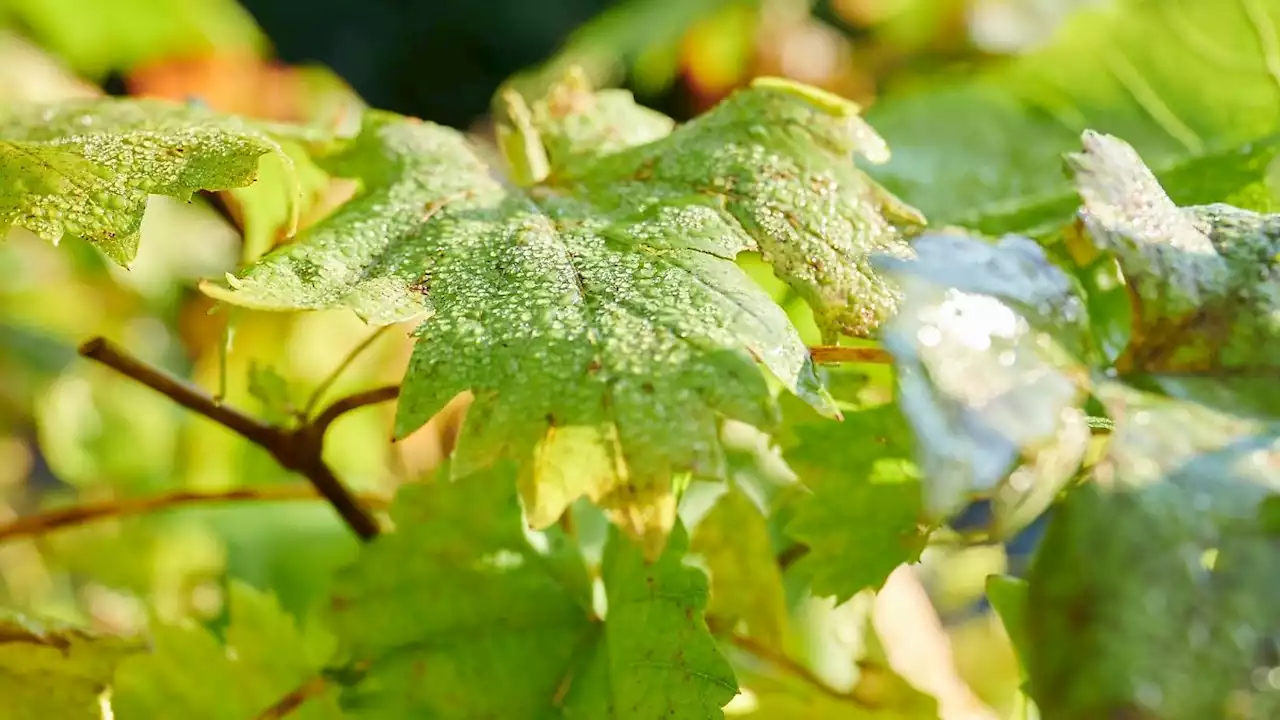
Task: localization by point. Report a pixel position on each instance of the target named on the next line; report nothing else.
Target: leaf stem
(356, 401)
(312, 687)
(314, 401)
(297, 449)
(59, 518)
(839, 354)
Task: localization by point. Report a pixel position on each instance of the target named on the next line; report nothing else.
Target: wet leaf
(461, 599)
(599, 317)
(988, 345)
(1160, 573)
(85, 168)
(1204, 281)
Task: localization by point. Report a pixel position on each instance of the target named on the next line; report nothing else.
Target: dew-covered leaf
(863, 518)
(1204, 281)
(598, 317)
(1160, 572)
(190, 673)
(85, 168)
(55, 672)
(462, 599)
(1191, 83)
(987, 345)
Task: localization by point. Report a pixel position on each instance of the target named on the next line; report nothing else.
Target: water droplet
(929, 335)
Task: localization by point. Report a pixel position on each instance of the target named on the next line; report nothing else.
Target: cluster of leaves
(594, 307)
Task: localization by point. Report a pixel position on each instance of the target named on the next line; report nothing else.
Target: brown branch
(837, 354)
(345, 405)
(191, 398)
(298, 450)
(59, 518)
(313, 687)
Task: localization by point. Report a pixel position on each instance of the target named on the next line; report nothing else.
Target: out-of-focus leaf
(462, 588)
(1204, 281)
(191, 674)
(863, 518)
(993, 164)
(1160, 573)
(96, 428)
(746, 585)
(267, 210)
(97, 37)
(1008, 596)
(615, 39)
(55, 672)
(85, 168)
(599, 318)
(277, 396)
(29, 75)
(986, 346)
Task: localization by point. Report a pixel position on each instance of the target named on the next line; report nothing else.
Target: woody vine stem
(298, 449)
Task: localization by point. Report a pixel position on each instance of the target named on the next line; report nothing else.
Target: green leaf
(85, 168)
(1008, 596)
(863, 518)
(1192, 83)
(656, 657)
(746, 584)
(55, 672)
(462, 599)
(191, 674)
(986, 347)
(599, 318)
(1203, 280)
(1159, 572)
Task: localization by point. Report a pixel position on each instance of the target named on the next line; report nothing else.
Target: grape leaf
(863, 518)
(1204, 281)
(993, 166)
(1160, 573)
(85, 168)
(54, 672)
(461, 599)
(746, 584)
(599, 317)
(986, 349)
(190, 674)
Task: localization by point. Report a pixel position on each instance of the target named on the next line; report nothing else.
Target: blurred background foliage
(72, 432)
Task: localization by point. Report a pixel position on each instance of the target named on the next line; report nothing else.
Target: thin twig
(792, 667)
(354, 402)
(189, 397)
(298, 449)
(313, 687)
(837, 354)
(316, 395)
(59, 518)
